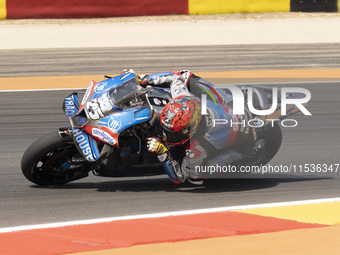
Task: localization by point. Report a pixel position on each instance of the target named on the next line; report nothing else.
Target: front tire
(48, 161)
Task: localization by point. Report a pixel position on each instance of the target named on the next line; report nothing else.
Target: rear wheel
(271, 143)
(51, 161)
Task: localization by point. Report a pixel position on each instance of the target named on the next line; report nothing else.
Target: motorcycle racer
(183, 124)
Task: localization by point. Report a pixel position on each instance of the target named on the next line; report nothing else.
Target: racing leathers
(220, 132)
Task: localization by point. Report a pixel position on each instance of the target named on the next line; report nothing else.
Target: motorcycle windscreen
(124, 92)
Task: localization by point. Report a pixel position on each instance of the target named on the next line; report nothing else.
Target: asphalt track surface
(25, 116)
(85, 61)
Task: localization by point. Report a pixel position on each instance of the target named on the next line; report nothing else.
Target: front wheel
(51, 161)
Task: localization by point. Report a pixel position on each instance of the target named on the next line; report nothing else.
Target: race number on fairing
(93, 110)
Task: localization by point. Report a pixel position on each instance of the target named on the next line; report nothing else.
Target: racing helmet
(180, 118)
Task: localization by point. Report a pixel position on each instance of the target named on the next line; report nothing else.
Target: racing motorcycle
(109, 126)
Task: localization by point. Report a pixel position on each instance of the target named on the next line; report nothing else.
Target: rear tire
(273, 140)
(47, 161)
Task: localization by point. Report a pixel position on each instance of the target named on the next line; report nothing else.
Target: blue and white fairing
(100, 118)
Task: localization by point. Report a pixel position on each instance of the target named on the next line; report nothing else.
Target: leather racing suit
(226, 142)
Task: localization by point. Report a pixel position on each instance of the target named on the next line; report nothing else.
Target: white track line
(217, 85)
(37, 90)
(166, 214)
(279, 83)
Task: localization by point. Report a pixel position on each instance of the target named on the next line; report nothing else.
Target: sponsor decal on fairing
(100, 87)
(83, 144)
(70, 108)
(104, 136)
(114, 123)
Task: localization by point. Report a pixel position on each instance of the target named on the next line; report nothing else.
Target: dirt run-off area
(173, 30)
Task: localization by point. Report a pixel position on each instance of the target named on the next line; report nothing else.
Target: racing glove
(130, 70)
(142, 79)
(157, 147)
